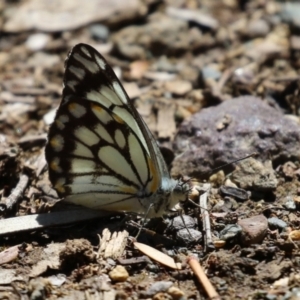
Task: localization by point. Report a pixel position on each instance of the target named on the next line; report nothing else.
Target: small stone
(99, 32)
(37, 41)
(230, 231)
(111, 262)
(237, 193)
(159, 287)
(254, 229)
(178, 87)
(255, 175)
(154, 268)
(211, 72)
(119, 274)
(290, 13)
(277, 223)
(290, 203)
(183, 221)
(219, 244)
(188, 236)
(258, 28)
(294, 235)
(175, 292)
(161, 296)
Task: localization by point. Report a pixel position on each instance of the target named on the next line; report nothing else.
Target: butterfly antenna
(254, 154)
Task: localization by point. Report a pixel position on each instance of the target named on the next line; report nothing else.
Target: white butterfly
(100, 152)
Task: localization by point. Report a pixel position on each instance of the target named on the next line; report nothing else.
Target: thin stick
(198, 271)
(40, 221)
(17, 193)
(208, 245)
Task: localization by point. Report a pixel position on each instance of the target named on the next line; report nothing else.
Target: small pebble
(111, 262)
(158, 287)
(258, 28)
(37, 41)
(188, 236)
(211, 72)
(178, 87)
(184, 221)
(118, 274)
(290, 203)
(230, 231)
(254, 229)
(237, 193)
(276, 223)
(99, 32)
(161, 296)
(219, 243)
(175, 292)
(154, 268)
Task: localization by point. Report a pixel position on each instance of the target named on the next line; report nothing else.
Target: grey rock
(290, 203)
(183, 221)
(160, 286)
(209, 72)
(99, 32)
(290, 13)
(277, 223)
(221, 134)
(237, 193)
(188, 236)
(230, 231)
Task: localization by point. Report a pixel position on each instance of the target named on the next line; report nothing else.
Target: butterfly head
(171, 193)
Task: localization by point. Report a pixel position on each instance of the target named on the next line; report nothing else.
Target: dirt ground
(215, 81)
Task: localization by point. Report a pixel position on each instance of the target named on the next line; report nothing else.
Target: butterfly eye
(100, 152)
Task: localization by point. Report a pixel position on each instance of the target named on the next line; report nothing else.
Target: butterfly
(100, 152)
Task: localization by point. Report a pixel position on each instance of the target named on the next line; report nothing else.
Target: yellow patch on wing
(77, 110)
(118, 119)
(59, 186)
(128, 190)
(57, 142)
(96, 107)
(154, 184)
(55, 165)
(101, 114)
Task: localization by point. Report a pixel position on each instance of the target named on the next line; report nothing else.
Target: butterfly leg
(144, 220)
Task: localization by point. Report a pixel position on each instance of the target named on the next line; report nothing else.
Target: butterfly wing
(100, 152)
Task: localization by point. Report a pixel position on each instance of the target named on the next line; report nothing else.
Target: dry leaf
(158, 256)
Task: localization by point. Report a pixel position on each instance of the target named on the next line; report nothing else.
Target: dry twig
(16, 194)
(40, 221)
(198, 271)
(208, 245)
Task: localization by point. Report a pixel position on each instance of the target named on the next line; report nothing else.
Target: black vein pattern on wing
(93, 81)
(106, 78)
(89, 120)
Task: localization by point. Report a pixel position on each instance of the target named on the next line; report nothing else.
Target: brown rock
(254, 127)
(254, 229)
